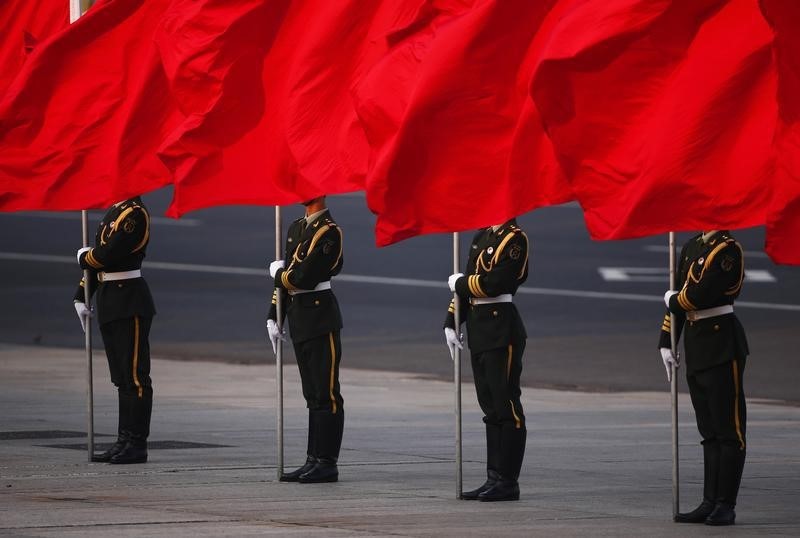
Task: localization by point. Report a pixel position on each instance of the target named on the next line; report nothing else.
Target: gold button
(716, 327)
(494, 313)
(316, 303)
(119, 285)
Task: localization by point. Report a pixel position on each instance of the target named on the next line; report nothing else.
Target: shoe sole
(320, 481)
(289, 479)
(144, 460)
(490, 500)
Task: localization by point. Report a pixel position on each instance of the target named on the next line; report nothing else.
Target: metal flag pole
(674, 385)
(457, 369)
(279, 349)
(74, 14)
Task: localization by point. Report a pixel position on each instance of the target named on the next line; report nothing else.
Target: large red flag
(25, 23)
(662, 113)
(265, 86)
(458, 142)
(80, 124)
(783, 223)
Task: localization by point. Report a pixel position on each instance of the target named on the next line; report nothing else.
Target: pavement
(597, 464)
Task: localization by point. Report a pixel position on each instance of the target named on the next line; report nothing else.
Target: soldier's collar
(706, 236)
(314, 216)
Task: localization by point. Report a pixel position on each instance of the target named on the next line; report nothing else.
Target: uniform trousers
(719, 404)
(497, 382)
(127, 348)
(318, 360)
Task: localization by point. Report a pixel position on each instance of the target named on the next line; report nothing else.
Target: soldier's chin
(308, 202)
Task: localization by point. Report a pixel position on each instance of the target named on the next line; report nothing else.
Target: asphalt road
(593, 310)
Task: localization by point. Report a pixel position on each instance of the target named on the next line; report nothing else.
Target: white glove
(275, 334)
(274, 266)
(453, 342)
(81, 251)
(451, 282)
(668, 295)
(83, 313)
(669, 360)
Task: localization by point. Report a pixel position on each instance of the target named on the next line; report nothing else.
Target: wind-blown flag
(458, 143)
(80, 125)
(662, 113)
(783, 223)
(265, 87)
(25, 23)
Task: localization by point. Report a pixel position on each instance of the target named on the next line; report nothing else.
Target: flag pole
(674, 386)
(74, 14)
(457, 369)
(279, 350)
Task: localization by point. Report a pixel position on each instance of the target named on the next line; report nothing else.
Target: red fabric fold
(79, 127)
(24, 24)
(783, 222)
(265, 86)
(458, 144)
(662, 113)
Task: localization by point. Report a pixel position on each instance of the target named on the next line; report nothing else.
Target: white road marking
(661, 274)
(390, 281)
(76, 217)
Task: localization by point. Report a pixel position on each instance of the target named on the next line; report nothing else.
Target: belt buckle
(99, 276)
(691, 315)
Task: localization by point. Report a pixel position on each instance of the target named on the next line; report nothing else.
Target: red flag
(458, 142)
(265, 86)
(783, 223)
(79, 126)
(662, 113)
(24, 24)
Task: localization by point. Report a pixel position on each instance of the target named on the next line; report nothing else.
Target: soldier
(710, 273)
(314, 251)
(497, 266)
(125, 311)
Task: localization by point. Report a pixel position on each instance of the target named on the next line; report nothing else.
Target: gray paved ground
(596, 465)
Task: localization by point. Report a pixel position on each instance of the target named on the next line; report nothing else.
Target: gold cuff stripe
(91, 260)
(333, 370)
(478, 287)
(285, 280)
(736, 405)
(136, 355)
(469, 285)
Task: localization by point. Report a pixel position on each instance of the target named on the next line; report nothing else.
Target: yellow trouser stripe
(136, 355)
(736, 405)
(333, 370)
(517, 421)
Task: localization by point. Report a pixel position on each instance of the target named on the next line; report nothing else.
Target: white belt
(505, 298)
(694, 315)
(319, 287)
(121, 275)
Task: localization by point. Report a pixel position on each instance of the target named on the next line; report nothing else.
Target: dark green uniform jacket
(120, 245)
(313, 255)
(709, 274)
(497, 264)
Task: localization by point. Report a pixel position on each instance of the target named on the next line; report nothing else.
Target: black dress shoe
(320, 472)
(722, 515)
(105, 457)
(502, 490)
(131, 453)
(294, 476)
(491, 480)
(698, 515)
